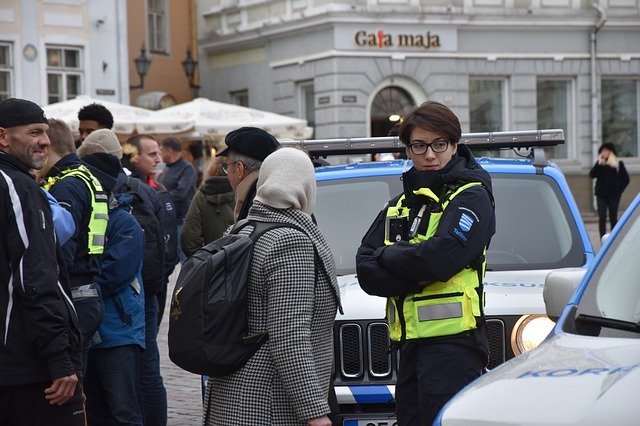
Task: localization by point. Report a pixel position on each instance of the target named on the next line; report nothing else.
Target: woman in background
(611, 180)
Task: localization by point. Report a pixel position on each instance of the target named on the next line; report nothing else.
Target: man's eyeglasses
(225, 166)
(438, 146)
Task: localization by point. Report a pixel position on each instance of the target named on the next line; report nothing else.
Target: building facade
(48, 50)
(349, 67)
(55, 50)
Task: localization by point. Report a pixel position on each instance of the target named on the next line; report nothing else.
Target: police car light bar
(475, 141)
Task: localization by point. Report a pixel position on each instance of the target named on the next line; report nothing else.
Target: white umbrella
(125, 117)
(212, 119)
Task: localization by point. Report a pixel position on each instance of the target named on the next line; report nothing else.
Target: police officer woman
(425, 253)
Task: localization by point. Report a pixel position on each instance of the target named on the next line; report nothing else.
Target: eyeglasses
(225, 166)
(437, 146)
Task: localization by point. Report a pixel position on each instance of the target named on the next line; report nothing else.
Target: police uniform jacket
(403, 268)
(73, 194)
(39, 337)
(293, 295)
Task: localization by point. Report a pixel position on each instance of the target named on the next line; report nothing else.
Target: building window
(620, 115)
(307, 104)
(554, 108)
(486, 105)
(388, 108)
(157, 25)
(240, 97)
(64, 73)
(5, 71)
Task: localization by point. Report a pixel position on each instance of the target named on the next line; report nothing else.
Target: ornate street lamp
(189, 65)
(142, 67)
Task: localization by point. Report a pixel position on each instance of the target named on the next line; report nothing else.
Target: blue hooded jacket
(120, 279)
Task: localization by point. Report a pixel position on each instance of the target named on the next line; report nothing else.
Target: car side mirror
(559, 286)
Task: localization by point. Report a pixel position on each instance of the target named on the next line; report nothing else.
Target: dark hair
(172, 143)
(59, 133)
(136, 140)
(96, 112)
(432, 116)
(608, 145)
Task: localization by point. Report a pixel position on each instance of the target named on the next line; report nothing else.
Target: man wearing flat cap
(247, 147)
(40, 352)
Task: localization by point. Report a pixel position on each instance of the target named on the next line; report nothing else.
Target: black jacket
(40, 341)
(180, 180)
(610, 182)
(396, 270)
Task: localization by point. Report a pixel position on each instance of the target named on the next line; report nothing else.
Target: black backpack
(153, 276)
(208, 314)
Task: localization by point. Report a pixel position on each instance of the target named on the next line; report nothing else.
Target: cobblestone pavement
(183, 389)
(184, 395)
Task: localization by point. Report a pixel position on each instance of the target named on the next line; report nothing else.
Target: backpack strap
(134, 184)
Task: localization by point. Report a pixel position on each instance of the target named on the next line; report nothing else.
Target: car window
(613, 291)
(534, 226)
(535, 229)
(346, 208)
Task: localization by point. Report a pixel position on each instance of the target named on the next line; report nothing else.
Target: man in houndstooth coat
(293, 295)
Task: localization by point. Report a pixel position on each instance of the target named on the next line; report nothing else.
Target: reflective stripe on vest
(442, 308)
(99, 206)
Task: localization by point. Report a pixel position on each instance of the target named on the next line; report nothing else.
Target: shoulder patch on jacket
(464, 224)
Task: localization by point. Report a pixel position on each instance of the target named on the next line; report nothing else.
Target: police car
(539, 229)
(587, 372)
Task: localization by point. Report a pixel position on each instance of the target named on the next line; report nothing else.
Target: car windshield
(535, 229)
(613, 292)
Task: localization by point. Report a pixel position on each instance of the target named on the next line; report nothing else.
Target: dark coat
(40, 337)
(180, 180)
(210, 214)
(610, 182)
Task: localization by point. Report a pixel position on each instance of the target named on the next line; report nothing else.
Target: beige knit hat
(101, 140)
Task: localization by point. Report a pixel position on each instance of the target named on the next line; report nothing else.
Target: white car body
(587, 372)
(579, 380)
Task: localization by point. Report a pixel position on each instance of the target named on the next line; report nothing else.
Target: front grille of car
(495, 329)
(364, 348)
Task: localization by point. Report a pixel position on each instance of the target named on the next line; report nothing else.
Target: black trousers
(611, 204)
(429, 375)
(25, 405)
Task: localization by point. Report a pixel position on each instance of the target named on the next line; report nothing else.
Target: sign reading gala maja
(380, 39)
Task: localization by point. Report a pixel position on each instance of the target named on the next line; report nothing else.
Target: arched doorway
(390, 102)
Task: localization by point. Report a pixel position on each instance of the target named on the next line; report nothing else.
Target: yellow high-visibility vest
(441, 308)
(99, 205)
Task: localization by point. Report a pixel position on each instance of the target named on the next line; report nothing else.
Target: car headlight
(529, 332)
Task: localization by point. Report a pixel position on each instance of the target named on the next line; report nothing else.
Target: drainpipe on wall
(602, 18)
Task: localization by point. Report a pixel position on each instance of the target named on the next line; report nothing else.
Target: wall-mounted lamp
(394, 117)
(190, 65)
(142, 67)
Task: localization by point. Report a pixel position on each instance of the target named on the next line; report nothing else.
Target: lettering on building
(380, 39)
